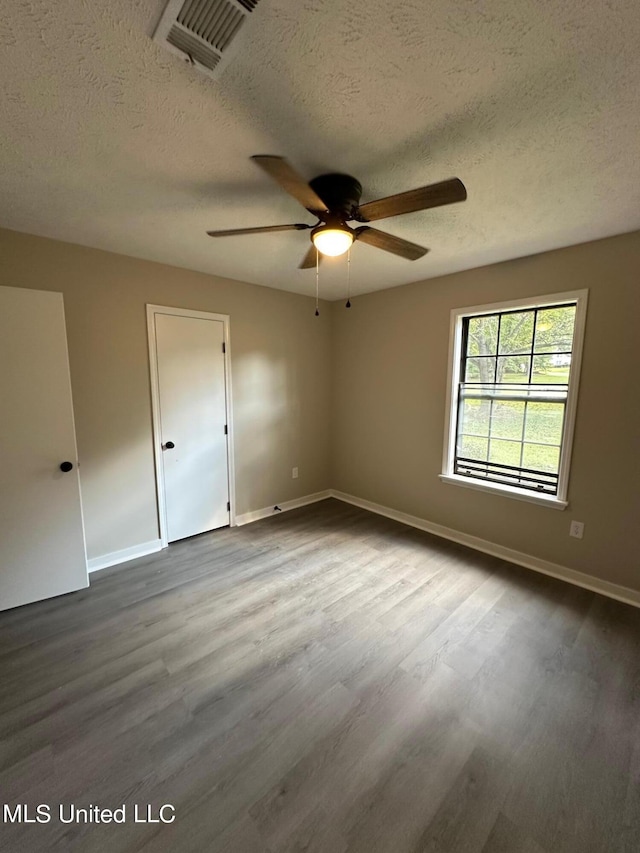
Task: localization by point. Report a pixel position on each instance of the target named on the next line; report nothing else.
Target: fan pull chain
(317, 280)
(348, 305)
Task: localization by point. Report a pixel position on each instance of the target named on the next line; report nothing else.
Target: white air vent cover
(203, 31)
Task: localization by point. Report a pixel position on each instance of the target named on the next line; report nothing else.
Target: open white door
(42, 548)
(191, 423)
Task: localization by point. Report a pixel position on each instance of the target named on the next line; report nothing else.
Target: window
(514, 376)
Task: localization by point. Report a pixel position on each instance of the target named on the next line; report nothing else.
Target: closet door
(192, 401)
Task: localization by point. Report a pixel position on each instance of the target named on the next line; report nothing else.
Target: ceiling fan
(335, 200)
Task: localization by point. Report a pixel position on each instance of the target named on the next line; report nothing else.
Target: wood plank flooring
(325, 680)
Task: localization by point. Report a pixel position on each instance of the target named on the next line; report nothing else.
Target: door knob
(169, 445)
(66, 466)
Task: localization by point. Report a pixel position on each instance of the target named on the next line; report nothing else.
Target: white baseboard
(611, 590)
(257, 514)
(97, 563)
(116, 557)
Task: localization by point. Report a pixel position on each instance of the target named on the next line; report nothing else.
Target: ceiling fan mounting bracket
(341, 194)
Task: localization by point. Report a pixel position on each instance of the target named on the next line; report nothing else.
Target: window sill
(505, 491)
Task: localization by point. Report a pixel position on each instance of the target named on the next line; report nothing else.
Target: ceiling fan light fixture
(332, 240)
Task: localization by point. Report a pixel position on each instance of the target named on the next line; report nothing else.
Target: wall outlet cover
(576, 529)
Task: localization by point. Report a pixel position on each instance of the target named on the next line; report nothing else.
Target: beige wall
(280, 374)
(389, 385)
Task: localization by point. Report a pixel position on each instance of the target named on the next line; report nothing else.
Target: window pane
(541, 458)
(516, 332)
(551, 369)
(554, 329)
(480, 370)
(511, 400)
(507, 420)
(513, 368)
(482, 335)
(471, 447)
(544, 422)
(475, 417)
(505, 452)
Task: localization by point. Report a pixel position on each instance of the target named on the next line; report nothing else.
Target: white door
(42, 549)
(193, 423)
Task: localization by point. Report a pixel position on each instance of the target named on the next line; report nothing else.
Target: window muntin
(512, 396)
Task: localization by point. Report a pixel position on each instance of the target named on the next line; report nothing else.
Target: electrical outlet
(576, 529)
(294, 473)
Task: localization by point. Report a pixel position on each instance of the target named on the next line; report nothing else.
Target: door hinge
(228, 506)
(226, 431)
(224, 347)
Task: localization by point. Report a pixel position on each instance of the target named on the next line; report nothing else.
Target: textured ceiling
(109, 141)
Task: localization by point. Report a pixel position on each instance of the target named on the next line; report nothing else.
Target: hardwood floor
(325, 680)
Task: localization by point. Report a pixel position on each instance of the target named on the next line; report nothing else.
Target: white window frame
(558, 501)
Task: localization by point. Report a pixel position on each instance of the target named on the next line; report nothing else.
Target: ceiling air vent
(203, 32)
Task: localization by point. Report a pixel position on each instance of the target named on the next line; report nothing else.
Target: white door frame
(152, 310)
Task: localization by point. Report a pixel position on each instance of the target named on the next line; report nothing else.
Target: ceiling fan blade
(284, 174)
(265, 229)
(423, 198)
(309, 260)
(396, 245)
